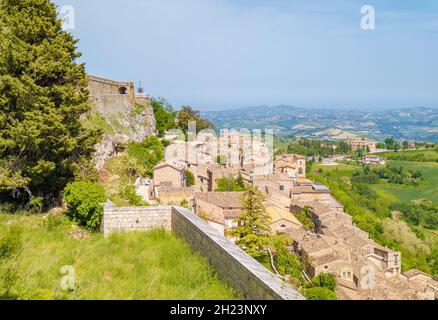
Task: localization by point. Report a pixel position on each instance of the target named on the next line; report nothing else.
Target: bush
(190, 178)
(128, 193)
(147, 153)
(324, 280)
(84, 200)
(287, 263)
(320, 293)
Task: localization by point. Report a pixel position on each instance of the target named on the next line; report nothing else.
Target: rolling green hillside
(427, 190)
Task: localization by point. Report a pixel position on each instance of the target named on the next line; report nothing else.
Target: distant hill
(418, 124)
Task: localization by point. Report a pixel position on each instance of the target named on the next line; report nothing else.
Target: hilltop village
(190, 174)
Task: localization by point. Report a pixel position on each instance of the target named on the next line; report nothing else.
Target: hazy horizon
(223, 54)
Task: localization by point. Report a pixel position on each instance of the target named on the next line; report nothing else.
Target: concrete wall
(248, 277)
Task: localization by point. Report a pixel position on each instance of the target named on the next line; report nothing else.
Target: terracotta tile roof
(221, 199)
(276, 213)
(175, 165)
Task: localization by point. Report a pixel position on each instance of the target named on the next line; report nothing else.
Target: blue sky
(218, 54)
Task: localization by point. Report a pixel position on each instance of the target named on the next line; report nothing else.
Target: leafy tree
(240, 183)
(221, 159)
(84, 203)
(188, 114)
(305, 217)
(253, 230)
(360, 153)
(190, 178)
(286, 262)
(43, 93)
(320, 293)
(131, 198)
(147, 153)
(389, 143)
(324, 280)
(230, 184)
(164, 115)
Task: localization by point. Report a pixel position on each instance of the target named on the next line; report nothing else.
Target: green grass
(426, 155)
(96, 121)
(143, 266)
(339, 171)
(427, 190)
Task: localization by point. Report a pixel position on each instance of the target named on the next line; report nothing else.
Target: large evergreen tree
(43, 92)
(253, 230)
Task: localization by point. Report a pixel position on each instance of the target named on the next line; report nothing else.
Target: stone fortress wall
(247, 276)
(110, 96)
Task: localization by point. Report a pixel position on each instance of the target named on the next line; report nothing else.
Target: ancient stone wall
(135, 219)
(247, 276)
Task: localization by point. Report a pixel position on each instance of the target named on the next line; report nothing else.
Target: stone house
(292, 165)
(373, 160)
(281, 218)
(219, 209)
(169, 175)
(362, 144)
(279, 183)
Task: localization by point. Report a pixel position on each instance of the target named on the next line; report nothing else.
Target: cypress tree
(253, 230)
(43, 93)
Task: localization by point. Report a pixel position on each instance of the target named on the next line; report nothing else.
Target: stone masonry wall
(247, 276)
(135, 219)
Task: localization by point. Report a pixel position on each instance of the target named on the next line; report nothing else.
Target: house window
(281, 188)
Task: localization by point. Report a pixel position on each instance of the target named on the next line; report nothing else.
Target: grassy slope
(153, 265)
(427, 190)
(429, 154)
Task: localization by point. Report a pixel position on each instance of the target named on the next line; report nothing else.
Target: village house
(219, 209)
(310, 191)
(281, 218)
(169, 175)
(363, 144)
(168, 178)
(292, 165)
(373, 160)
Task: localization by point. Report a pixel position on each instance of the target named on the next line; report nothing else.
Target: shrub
(324, 280)
(320, 293)
(35, 205)
(286, 262)
(128, 193)
(147, 153)
(84, 200)
(190, 178)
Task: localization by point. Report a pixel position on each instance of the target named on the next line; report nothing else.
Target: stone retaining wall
(247, 276)
(135, 219)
